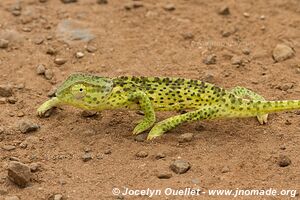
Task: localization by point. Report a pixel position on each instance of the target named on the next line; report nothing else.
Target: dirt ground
(195, 39)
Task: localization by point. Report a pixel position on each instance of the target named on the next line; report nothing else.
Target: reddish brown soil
(150, 41)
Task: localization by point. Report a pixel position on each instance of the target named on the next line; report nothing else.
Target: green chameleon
(150, 94)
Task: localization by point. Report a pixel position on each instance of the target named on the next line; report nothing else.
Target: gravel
(40, 69)
(6, 91)
(282, 52)
(60, 61)
(26, 126)
(180, 166)
(186, 137)
(87, 157)
(283, 161)
(141, 154)
(19, 173)
(164, 175)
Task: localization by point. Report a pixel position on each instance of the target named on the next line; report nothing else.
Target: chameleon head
(85, 91)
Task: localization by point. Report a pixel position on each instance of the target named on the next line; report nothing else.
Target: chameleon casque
(150, 94)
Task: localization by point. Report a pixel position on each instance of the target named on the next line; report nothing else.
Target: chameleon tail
(254, 108)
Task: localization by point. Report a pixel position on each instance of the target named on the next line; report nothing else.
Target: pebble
(52, 92)
(40, 69)
(38, 41)
(91, 48)
(56, 197)
(224, 10)
(34, 167)
(107, 151)
(89, 113)
(19, 173)
(8, 147)
(210, 59)
(12, 100)
(68, 1)
(16, 12)
(180, 166)
(160, 155)
(86, 157)
(246, 14)
(60, 61)
(27, 126)
(164, 175)
(225, 169)
(135, 4)
(169, 7)
(282, 52)
(141, 154)
(285, 86)
(6, 91)
(12, 198)
(4, 43)
(262, 17)
(237, 60)
(246, 51)
(49, 74)
(228, 31)
(27, 29)
(2, 100)
(102, 1)
(283, 161)
(188, 35)
(79, 54)
(186, 137)
(141, 137)
(51, 51)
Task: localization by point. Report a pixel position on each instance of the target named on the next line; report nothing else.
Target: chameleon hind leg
(146, 106)
(48, 105)
(167, 124)
(245, 93)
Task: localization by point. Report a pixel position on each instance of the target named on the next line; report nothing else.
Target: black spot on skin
(95, 99)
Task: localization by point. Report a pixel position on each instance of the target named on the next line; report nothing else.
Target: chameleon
(202, 100)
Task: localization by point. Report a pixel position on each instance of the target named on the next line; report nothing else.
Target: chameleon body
(150, 94)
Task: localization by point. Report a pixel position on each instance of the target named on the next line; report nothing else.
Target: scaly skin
(152, 94)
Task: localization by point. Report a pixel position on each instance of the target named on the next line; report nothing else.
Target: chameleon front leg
(147, 107)
(167, 124)
(48, 105)
(242, 92)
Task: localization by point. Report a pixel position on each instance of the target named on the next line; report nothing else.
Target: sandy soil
(149, 38)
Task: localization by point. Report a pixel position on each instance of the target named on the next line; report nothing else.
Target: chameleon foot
(156, 131)
(142, 126)
(263, 119)
(47, 106)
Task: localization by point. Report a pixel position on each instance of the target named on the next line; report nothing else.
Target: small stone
(20, 114)
(282, 147)
(180, 166)
(246, 14)
(4, 43)
(51, 51)
(8, 147)
(91, 49)
(34, 167)
(210, 59)
(27, 29)
(89, 113)
(282, 52)
(87, 149)
(225, 169)
(14, 159)
(283, 161)
(141, 137)
(169, 7)
(224, 10)
(246, 51)
(3, 191)
(107, 151)
(141, 154)
(16, 12)
(27, 126)
(285, 86)
(188, 36)
(287, 122)
(40, 69)
(160, 155)
(19, 173)
(79, 55)
(262, 17)
(164, 175)
(38, 41)
(12, 100)
(49, 74)
(68, 1)
(52, 92)
(56, 197)
(6, 91)
(12, 198)
(237, 60)
(186, 137)
(102, 1)
(135, 4)
(86, 157)
(2, 100)
(60, 61)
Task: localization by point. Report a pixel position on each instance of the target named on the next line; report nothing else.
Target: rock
(284, 161)
(89, 113)
(224, 10)
(49, 74)
(246, 51)
(27, 29)
(8, 147)
(79, 55)
(169, 7)
(19, 173)
(180, 166)
(91, 48)
(186, 137)
(188, 35)
(135, 4)
(34, 167)
(164, 175)
(56, 197)
(2, 100)
(12, 198)
(3, 191)
(12, 100)
(40, 69)
(3, 43)
(246, 14)
(102, 1)
(228, 31)
(68, 1)
(285, 86)
(225, 169)
(141, 137)
(51, 51)
(141, 154)
(52, 92)
(6, 91)
(210, 59)
(237, 60)
(282, 52)
(28, 126)
(160, 155)
(60, 61)
(38, 41)
(86, 157)
(16, 12)
(107, 151)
